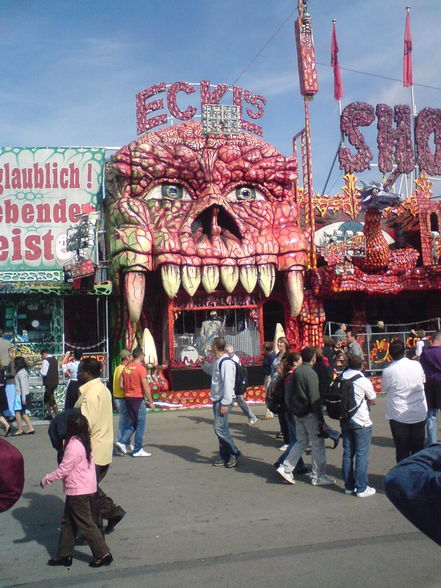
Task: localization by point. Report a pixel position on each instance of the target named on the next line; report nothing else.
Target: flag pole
(408, 73)
(338, 84)
(338, 93)
(334, 62)
(407, 62)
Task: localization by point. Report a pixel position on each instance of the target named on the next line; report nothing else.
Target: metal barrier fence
(375, 345)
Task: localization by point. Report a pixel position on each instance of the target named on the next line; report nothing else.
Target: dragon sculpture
(375, 197)
(203, 211)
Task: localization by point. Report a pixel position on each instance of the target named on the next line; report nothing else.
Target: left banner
(43, 192)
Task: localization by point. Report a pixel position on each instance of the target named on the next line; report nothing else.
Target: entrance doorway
(273, 313)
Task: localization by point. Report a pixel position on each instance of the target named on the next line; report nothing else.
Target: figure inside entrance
(213, 327)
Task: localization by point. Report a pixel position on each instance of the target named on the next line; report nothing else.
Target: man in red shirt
(136, 396)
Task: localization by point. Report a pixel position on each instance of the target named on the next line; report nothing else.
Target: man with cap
(118, 394)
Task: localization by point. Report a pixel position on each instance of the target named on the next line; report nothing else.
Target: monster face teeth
(134, 286)
(267, 277)
(210, 277)
(171, 278)
(191, 278)
(294, 290)
(229, 277)
(248, 277)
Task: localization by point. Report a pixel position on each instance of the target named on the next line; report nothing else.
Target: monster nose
(207, 222)
(215, 228)
(211, 195)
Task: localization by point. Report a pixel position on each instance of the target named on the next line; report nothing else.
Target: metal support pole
(312, 253)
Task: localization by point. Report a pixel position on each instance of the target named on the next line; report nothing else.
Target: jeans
(432, 426)
(124, 420)
(414, 487)
(292, 441)
(408, 438)
(137, 423)
(356, 447)
(10, 396)
(227, 447)
(307, 430)
(287, 427)
(245, 408)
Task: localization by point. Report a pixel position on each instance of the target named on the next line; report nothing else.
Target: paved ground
(189, 524)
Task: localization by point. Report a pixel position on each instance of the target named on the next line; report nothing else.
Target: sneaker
(219, 463)
(231, 463)
(349, 492)
(121, 447)
(322, 481)
(284, 447)
(366, 493)
(252, 421)
(141, 453)
(285, 475)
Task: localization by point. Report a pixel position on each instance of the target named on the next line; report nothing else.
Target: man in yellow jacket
(95, 403)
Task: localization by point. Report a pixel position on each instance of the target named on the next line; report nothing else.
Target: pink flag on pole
(407, 60)
(338, 84)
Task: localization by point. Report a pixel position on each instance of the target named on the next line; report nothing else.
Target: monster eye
(168, 191)
(172, 191)
(246, 193)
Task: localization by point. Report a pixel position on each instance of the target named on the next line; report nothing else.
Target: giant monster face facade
(210, 212)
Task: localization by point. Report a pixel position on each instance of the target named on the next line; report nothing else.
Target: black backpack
(276, 397)
(339, 398)
(240, 377)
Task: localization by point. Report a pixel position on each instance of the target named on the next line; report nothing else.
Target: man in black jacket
(303, 399)
(49, 372)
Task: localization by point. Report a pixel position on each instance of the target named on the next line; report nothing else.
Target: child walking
(77, 470)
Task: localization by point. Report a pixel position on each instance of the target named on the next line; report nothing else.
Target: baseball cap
(124, 353)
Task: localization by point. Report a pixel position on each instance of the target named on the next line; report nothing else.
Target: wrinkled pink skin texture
(145, 233)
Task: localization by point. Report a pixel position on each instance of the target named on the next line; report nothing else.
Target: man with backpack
(357, 430)
(240, 386)
(223, 373)
(303, 399)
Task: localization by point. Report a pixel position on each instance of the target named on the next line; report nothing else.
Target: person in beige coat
(95, 403)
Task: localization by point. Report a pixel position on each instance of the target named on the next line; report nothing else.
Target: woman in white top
(22, 396)
(283, 349)
(406, 406)
(70, 368)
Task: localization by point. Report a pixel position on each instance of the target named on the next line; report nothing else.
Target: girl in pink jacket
(77, 471)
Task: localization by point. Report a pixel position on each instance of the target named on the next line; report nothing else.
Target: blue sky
(70, 70)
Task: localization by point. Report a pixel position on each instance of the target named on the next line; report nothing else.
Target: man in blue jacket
(414, 487)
